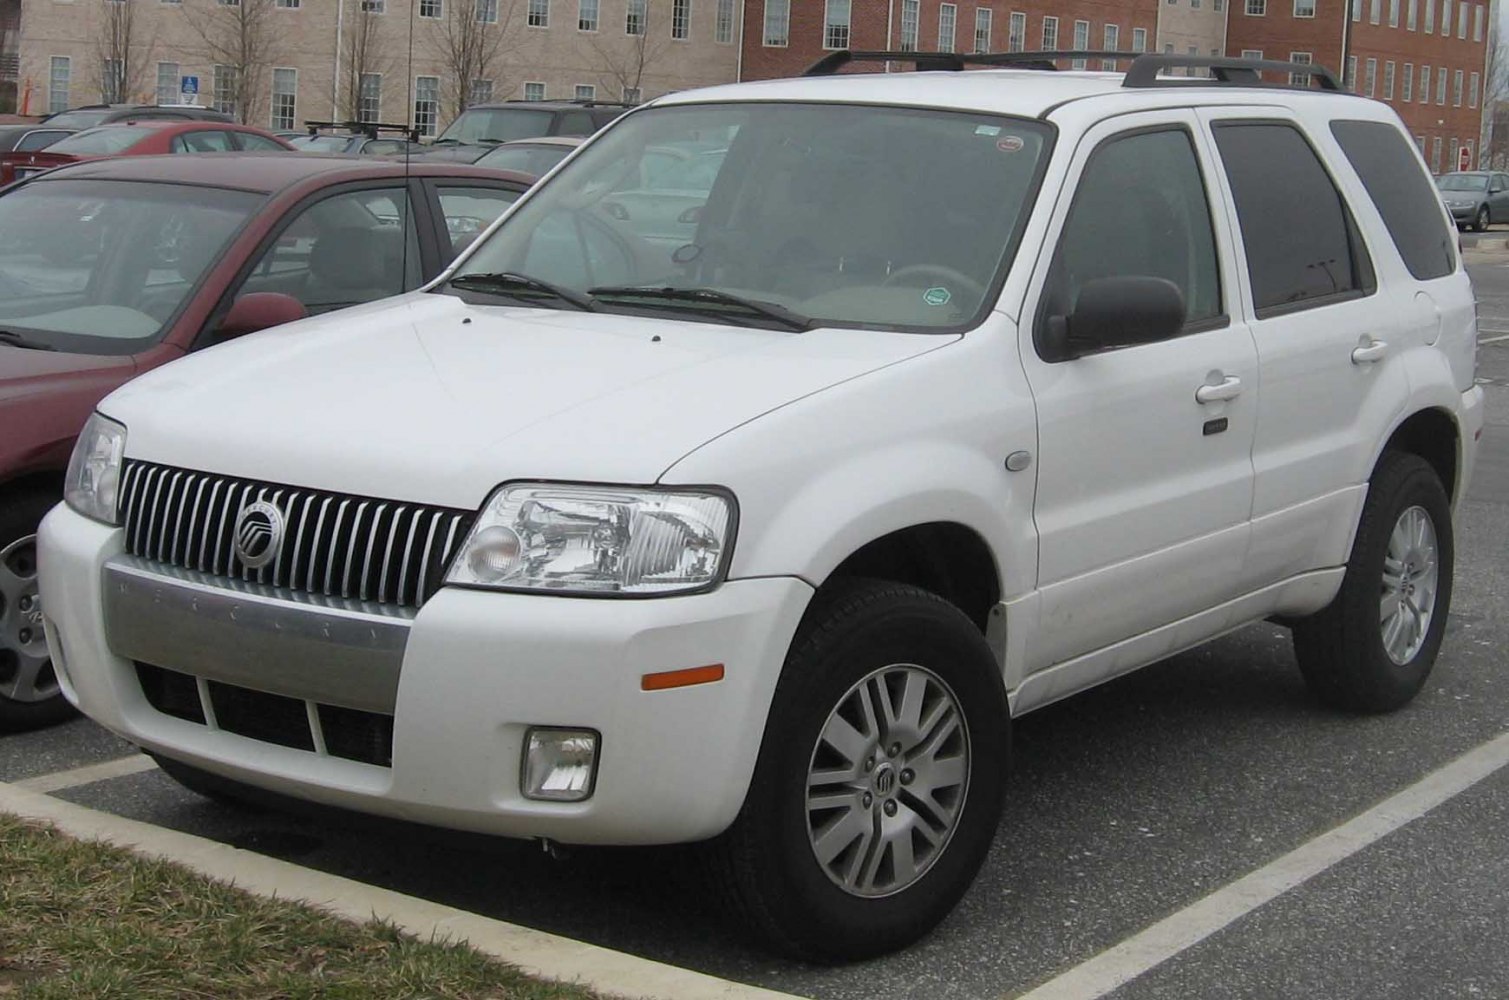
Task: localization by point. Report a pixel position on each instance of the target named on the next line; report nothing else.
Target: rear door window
(1404, 196)
(1303, 249)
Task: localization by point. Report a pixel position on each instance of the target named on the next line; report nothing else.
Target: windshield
(1462, 182)
(528, 159)
(100, 267)
(79, 119)
(497, 125)
(850, 215)
(101, 141)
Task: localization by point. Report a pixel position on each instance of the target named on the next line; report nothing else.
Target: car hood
(45, 397)
(432, 400)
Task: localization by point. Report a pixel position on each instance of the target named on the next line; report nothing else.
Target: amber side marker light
(681, 678)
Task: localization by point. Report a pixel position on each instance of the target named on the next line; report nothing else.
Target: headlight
(94, 471)
(603, 540)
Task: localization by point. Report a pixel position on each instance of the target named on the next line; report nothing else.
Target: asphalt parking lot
(1128, 804)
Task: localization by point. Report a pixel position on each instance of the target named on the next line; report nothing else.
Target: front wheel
(1372, 648)
(880, 779)
(1480, 224)
(29, 692)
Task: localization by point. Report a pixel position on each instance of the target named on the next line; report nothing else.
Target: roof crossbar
(1144, 72)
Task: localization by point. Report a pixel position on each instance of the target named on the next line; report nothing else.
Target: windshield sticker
(1010, 144)
(987, 130)
(937, 296)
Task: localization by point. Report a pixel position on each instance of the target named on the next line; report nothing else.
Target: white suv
(754, 512)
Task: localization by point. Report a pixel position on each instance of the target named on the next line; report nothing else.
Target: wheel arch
(1431, 433)
(946, 558)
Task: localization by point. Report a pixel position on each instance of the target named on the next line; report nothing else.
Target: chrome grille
(350, 547)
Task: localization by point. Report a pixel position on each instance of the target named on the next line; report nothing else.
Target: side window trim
(1222, 317)
(1363, 265)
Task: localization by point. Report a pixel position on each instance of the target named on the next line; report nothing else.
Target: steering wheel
(947, 275)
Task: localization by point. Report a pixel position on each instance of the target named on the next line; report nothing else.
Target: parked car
(530, 156)
(1475, 198)
(140, 138)
(132, 262)
(967, 392)
(91, 115)
(357, 139)
(485, 125)
(25, 138)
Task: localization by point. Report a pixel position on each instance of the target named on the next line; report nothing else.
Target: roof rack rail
(368, 129)
(834, 61)
(1227, 72)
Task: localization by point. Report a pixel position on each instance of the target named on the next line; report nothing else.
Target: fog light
(560, 765)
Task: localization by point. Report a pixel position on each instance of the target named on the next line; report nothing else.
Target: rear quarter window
(1404, 196)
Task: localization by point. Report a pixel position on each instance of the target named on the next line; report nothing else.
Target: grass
(85, 921)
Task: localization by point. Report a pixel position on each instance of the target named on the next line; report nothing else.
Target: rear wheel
(1373, 647)
(880, 779)
(1481, 222)
(29, 693)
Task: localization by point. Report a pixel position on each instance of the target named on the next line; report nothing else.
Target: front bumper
(1463, 213)
(464, 679)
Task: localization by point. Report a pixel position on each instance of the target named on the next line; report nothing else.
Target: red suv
(126, 264)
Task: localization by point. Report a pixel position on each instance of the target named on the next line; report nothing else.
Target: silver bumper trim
(332, 652)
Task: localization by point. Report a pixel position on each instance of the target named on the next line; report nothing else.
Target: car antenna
(408, 150)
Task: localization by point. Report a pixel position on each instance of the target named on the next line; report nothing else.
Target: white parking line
(89, 774)
(1198, 921)
(611, 973)
(1493, 340)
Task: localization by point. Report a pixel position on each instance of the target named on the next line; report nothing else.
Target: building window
(1304, 59)
(777, 21)
(285, 98)
(1393, 13)
(1467, 145)
(1112, 43)
(1219, 5)
(1370, 77)
(1081, 41)
(636, 14)
(1016, 32)
(110, 81)
(1139, 39)
(429, 8)
(1477, 24)
(1252, 53)
(1407, 83)
(1472, 91)
(539, 13)
(836, 24)
(1441, 85)
(374, 6)
(59, 75)
(1357, 10)
(1462, 13)
(948, 22)
(285, 4)
(681, 18)
(1430, 17)
(983, 18)
(1304, 8)
(481, 93)
(1424, 84)
(1257, 8)
(1194, 4)
(225, 89)
(631, 95)
(167, 83)
(1412, 15)
(1456, 89)
(586, 92)
(534, 91)
(910, 15)
(369, 100)
(586, 15)
(1388, 80)
(1375, 11)
(426, 104)
(487, 11)
(723, 24)
(1445, 18)
(1050, 34)
(1350, 80)
(1435, 155)
(1455, 161)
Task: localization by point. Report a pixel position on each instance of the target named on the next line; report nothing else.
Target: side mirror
(1120, 311)
(258, 311)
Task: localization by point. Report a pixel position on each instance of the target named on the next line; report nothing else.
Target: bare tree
(239, 39)
(1495, 141)
(469, 38)
(364, 53)
(626, 57)
(116, 48)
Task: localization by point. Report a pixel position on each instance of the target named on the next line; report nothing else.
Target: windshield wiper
(707, 297)
(520, 285)
(16, 340)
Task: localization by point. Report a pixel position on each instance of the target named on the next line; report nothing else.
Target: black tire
(20, 513)
(1341, 650)
(771, 877)
(1481, 223)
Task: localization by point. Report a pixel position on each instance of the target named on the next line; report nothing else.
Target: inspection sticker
(937, 296)
(1010, 144)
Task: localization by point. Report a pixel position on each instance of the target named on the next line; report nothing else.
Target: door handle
(1229, 387)
(1366, 354)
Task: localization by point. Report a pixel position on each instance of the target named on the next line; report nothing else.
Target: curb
(548, 956)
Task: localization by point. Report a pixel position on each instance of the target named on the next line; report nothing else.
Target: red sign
(1464, 159)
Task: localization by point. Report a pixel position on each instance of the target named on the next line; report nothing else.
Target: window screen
(1403, 194)
(1302, 246)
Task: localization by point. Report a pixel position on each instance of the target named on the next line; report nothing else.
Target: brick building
(323, 59)
(1426, 58)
